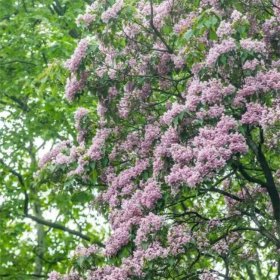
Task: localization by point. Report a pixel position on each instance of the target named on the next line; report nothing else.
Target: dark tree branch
(158, 34)
(39, 220)
(23, 106)
(57, 226)
(270, 184)
(247, 176)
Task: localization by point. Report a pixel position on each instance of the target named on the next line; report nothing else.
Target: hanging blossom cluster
(74, 62)
(88, 17)
(113, 11)
(80, 115)
(74, 85)
(209, 150)
(174, 123)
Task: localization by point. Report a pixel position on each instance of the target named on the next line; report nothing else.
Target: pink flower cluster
(254, 114)
(54, 276)
(79, 116)
(236, 16)
(271, 28)
(253, 45)
(162, 150)
(207, 152)
(152, 133)
(112, 12)
(178, 237)
(57, 276)
(184, 23)
(117, 240)
(208, 275)
(73, 86)
(211, 92)
(79, 54)
(131, 266)
(225, 29)
(161, 11)
(95, 151)
(58, 149)
(225, 46)
(251, 64)
(86, 252)
(149, 224)
(176, 109)
(262, 83)
(88, 17)
(178, 60)
(221, 247)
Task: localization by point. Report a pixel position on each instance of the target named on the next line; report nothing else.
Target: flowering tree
(184, 155)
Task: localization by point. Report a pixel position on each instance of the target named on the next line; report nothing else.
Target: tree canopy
(176, 141)
(39, 222)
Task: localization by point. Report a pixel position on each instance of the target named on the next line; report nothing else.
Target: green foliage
(36, 38)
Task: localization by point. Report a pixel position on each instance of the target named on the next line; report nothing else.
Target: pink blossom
(73, 86)
(112, 92)
(177, 238)
(251, 64)
(83, 251)
(101, 110)
(112, 12)
(54, 276)
(207, 275)
(181, 154)
(169, 116)
(79, 116)
(224, 29)
(73, 63)
(152, 133)
(221, 247)
(275, 63)
(161, 11)
(96, 149)
(210, 150)
(184, 23)
(149, 224)
(131, 30)
(58, 149)
(225, 46)
(87, 19)
(155, 250)
(261, 83)
(253, 114)
(151, 194)
(119, 238)
(253, 45)
(178, 60)
(236, 16)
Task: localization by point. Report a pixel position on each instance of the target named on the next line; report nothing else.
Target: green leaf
(189, 34)
(81, 197)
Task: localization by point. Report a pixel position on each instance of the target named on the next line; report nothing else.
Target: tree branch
(39, 220)
(247, 176)
(158, 34)
(57, 226)
(270, 184)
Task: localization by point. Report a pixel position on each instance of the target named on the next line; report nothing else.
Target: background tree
(39, 222)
